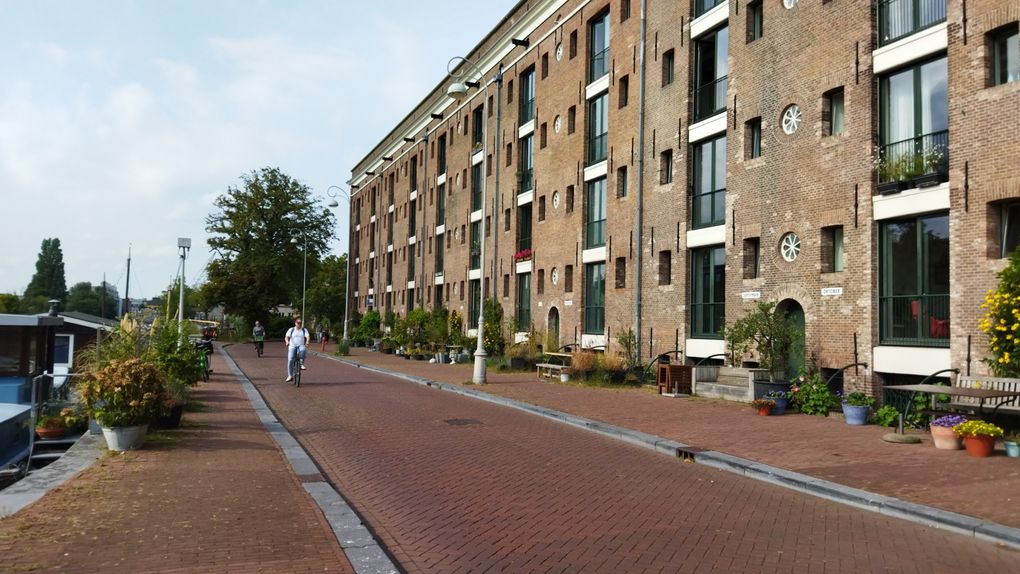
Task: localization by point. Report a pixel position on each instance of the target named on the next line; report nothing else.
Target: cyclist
(259, 335)
(296, 339)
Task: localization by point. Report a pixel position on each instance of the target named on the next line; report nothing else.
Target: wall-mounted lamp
(437, 116)
(524, 43)
(409, 140)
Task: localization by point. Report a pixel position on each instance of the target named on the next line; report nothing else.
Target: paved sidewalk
(216, 495)
(824, 448)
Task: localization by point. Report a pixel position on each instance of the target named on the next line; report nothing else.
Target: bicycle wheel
(295, 370)
(205, 368)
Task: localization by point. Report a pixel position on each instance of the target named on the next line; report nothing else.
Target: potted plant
(893, 171)
(763, 406)
(772, 334)
(1012, 442)
(564, 375)
(942, 434)
(780, 398)
(124, 397)
(811, 395)
(978, 437)
(50, 427)
(928, 164)
(856, 407)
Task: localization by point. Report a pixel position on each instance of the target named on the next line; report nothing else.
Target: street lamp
(304, 272)
(347, 278)
(457, 90)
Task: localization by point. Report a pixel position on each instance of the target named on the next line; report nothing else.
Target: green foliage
(10, 303)
(325, 297)
(812, 396)
(85, 297)
(977, 428)
(628, 343)
(437, 328)
(259, 267)
(368, 327)
(772, 334)
(49, 281)
(492, 328)
(859, 400)
(887, 416)
(390, 319)
(125, 392)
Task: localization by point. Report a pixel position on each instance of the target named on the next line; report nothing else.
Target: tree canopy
(260, 231)
(325, 297)
(49, 281)
(85, 297)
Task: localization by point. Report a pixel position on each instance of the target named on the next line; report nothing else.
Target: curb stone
(363, 551)
(910, 511)
(87, 450)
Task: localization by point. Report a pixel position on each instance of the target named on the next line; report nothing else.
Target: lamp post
(457, 90)
(184, 244)
(347, 278)
(304, 272)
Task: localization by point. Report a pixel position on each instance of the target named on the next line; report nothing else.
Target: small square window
(624, 89)
(573, 44)
(752, 138)
(510, 91)
(752, 258)
(506, 285)
(509, 154)
(543, 136)
(506, 219)
(621, 272)
(541, 281)
(1004, 49)
(665, 267)
(833, 112)
(667, 67)
(666, 167)
(832, 249)
(621, 181)
(755, 20)
(545, 65)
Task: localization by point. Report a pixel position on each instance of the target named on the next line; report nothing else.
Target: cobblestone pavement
(453, 484)
(215, 496)
(827, 448)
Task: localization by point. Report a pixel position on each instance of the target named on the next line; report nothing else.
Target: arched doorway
(793, 310)
(553, 329)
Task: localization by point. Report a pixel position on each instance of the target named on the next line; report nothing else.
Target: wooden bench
(1004, 405)
(549, 370)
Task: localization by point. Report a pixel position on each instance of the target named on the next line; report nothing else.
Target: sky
(122, 121)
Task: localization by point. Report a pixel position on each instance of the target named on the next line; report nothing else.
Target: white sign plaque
(831, 291)
(750, 295)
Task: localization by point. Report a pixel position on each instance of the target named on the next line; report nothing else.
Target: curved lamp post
(459, 89)
(333, 192)
(304, 272)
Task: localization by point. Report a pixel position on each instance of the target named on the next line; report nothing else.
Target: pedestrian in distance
(296, 340)
(258, 334)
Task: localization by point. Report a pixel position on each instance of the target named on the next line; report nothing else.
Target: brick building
(660, 166)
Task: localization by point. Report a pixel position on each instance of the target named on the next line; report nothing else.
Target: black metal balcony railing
(526, 180)
(702, 6)
(595, 234)
(707, 319)
(599, 65)
(598, 148)
(527, 110)
(710, 99)
(914, 320)
(910, 158)
(901, 18)
(708, 209)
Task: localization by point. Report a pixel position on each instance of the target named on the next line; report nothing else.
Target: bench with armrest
(978, 405)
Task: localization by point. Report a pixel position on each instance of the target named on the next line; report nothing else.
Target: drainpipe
(640, 181)
(424, 217)
(495, 169)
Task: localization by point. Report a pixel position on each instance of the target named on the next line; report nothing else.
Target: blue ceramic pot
(855, 415)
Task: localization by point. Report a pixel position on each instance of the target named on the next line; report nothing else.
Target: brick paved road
(217, 497)
(452, 484)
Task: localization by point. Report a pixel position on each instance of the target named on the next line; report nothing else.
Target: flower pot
(765, 411)
(48, 434)
(171, 420)
(781, 404)
(980, 446)
(564, 377)
(926, 180)
(945, 439)
(1012, 449)
(763, 386)
(119, 439)
(855, 415)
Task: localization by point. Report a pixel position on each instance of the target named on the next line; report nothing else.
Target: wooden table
(564, 358)
(981, 394)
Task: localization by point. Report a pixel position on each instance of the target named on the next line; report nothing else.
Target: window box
(929, 179)
(891, 187)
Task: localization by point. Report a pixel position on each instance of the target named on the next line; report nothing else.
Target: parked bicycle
(206, 348)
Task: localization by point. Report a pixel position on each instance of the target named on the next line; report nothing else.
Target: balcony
(599, 65)
(595, 234)
(922, 159)
(703, 6)
(901, 18)
(708, 209)
(914, 320)
(527, 110)
(710, 99)
(598, 148)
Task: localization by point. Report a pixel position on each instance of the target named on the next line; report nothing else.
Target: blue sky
(121, 121)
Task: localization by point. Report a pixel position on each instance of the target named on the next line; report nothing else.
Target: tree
(48, 281)
(84, 297)
(326, 291)
(766, 330)
(259, 267)
(10, 303)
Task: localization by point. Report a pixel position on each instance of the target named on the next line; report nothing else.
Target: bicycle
(295, 367)
(259, 341)
(205, 348)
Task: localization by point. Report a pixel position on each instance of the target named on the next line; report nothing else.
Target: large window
(524, 227)
(1005, 55)
(441, 155)
(526, 177)
(708, 292)
(477, 128)
(900, 18)
(702, 6)
(439, 254)
(755, 20)
(413, 179)
(914, 281)
(476, 187)
(527, 104)
(523, 314)
(914, 122)
(441, 204)
(709, 200)
(710, 70)
(1009, 227)
(595, 214)
(598, 128)
(474, 302)
(412, 218)
(598, 47)
(476, 245)
(595, 298)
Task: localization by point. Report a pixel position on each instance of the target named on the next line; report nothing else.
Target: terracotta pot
(945, 439)
(979, 446)
(764, 411)
(50, 433)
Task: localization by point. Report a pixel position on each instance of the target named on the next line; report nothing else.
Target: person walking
(296, 339)
(258, 334)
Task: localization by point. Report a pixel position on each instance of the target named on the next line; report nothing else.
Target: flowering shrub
(123, 393)
(812, 396)
(758, 404)
(858, 400)
(522, 255)
(948, 421)
(1002, 321)
(977, 428)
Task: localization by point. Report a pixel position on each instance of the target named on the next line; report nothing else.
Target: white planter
(564, 378)
(120, 439)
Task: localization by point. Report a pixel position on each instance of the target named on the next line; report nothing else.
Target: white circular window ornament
(559, 51)
(556, 200)
(554, 276)
(791, 119)
(557, 124)
(789, 247)
(789, 3)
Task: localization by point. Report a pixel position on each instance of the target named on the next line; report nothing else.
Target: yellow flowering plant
(1002, 321)
(126, 392)
(977, 428)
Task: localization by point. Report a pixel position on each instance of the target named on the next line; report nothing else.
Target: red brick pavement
(825, 448)
(214, 496)
(453, 484)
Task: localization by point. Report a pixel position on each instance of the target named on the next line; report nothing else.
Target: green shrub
(887, 416)
(812, 396)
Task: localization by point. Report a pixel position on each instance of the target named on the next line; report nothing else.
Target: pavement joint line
(923, 515)
(357, 542)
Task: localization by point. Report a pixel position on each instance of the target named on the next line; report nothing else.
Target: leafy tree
(325, 295)
(10, 303)
(259, 267)
(85, 297)
(49, 281)
(193, 300)
(770, 332)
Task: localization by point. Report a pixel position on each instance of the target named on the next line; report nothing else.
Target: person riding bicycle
(296, 339)
(259, 335)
